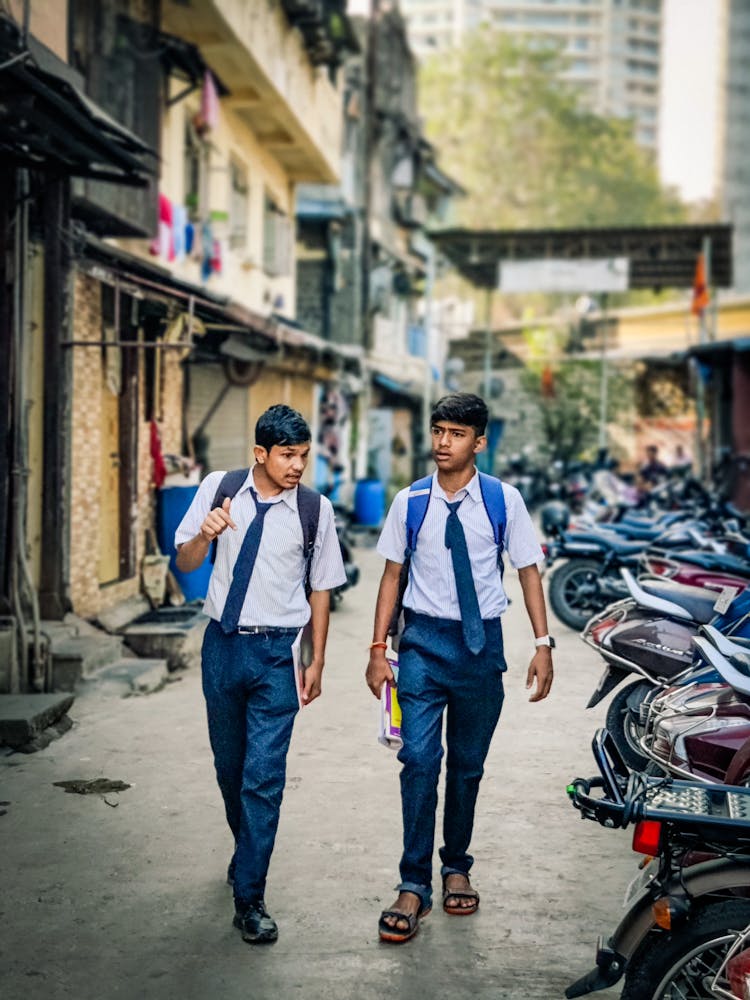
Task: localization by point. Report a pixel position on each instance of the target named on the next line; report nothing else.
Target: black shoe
(257, 926)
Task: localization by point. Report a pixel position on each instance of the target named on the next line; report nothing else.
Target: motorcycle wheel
(626, 729)
(683, 962)
(574, 592)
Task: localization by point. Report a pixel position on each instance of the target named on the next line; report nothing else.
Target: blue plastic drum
(172, 503)
(369, 502)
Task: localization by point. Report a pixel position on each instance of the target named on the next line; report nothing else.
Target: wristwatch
(545, 640)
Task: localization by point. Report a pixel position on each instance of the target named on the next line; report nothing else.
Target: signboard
(595, 274)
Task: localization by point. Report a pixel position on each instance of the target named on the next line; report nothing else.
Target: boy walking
(451, 650)
(257, 603)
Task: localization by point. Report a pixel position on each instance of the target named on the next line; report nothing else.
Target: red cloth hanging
(160, 467)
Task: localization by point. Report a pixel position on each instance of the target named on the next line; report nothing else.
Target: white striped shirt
(432, 584)
(276, 593)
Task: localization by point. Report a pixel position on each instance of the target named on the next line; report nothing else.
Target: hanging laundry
(217, 257)
(179, 226)
(160, 467)
(207, 241)
(208, 116)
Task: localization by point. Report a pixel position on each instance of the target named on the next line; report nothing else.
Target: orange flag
(700, 289)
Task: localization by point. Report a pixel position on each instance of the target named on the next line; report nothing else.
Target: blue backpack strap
(308, 507)
(416, 510)
(228, 488)
(494, 503)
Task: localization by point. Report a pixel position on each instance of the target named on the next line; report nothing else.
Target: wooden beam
(246, 98)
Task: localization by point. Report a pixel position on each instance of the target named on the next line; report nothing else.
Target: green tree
(569, 400)
(527, 151)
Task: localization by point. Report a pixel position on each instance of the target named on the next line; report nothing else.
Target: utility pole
(704, 335)
(370, 90)
(604, 376)
(427, 328)
(487, 344)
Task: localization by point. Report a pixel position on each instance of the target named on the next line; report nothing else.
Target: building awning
(720, 349)
(660, 256)
(407, 390)
(232, 328)
(311, 209)
(47, 122)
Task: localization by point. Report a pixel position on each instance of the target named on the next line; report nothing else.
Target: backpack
(308, 506)
(416, 511)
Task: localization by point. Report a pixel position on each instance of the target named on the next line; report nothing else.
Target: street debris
(94, 786)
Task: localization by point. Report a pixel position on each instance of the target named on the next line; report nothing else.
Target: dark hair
(281, 424)
(462, 408)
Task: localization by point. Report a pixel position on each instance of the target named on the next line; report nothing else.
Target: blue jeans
(251, 702)
(438, 672)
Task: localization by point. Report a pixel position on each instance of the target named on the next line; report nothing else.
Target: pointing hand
(217, 521)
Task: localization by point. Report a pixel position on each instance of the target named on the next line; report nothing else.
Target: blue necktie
(471, 617)
(243, 567)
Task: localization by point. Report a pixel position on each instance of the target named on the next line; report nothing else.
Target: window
(238, 205)
(277, 240)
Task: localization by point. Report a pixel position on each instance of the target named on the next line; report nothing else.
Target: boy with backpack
(442, 541)
(277, 558)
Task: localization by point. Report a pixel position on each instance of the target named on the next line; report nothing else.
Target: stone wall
(88, 596)
(86, 444)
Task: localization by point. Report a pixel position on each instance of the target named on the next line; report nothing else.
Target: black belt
(418, 616)
(266, 630)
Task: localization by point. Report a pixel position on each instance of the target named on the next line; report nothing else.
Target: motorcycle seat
(709, 560)
(606, 541)
(699, 603)
(630, 532)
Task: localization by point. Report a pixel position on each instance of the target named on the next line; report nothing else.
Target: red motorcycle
(701, 730)
(650, 635)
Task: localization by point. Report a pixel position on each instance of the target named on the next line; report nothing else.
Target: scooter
(651, 635)
(689, 901)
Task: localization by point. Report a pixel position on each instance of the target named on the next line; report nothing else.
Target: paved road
(127, 899)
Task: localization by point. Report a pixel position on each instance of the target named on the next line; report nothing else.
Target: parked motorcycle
(342, 522)
(529, 478)
(732, 979)
(590, 579)
(701, 729)
(703, 532)
(689, 902)
(651, 635)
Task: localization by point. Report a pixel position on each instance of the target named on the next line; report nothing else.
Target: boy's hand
(217, 521)
(378, 671)
(313, 682)
(541, 669)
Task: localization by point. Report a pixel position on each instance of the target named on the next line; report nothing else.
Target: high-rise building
(613, 47)
(733, 168)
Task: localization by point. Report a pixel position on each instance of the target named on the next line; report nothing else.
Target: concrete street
(123, 896)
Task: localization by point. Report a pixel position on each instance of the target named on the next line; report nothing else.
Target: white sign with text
(605, 274)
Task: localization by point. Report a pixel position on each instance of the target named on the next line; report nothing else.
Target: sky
(689, 97)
